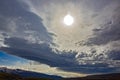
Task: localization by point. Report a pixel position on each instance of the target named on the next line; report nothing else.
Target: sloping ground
(17, 74)
(8, 76)
(29, 75)
(114, 76)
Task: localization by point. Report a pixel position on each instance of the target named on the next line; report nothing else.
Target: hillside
(18, 74)
(8, 76)
(113, 76)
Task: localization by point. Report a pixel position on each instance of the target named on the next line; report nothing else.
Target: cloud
(109, 30)
(33, 32)
(108, 34)
(114, 55)
(38, 52)
(43, 53)
(16, 21)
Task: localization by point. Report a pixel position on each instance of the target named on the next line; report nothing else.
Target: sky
(34, 32)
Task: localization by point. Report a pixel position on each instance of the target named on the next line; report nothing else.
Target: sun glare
(68, 20)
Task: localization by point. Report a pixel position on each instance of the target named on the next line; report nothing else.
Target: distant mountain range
(18, 74)
(112, 76)
(28, 74)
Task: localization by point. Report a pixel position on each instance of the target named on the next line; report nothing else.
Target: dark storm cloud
(110, 31)
(114, 55)
(15, 19)
(39, 52)
(8, 10)
(42, 53)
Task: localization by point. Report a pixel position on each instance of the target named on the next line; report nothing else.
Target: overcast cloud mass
(33, 29)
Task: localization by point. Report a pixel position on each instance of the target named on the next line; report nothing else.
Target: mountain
(27, 74)
(18, 74)
(112, 76)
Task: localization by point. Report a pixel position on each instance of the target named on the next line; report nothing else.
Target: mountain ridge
(27, 74)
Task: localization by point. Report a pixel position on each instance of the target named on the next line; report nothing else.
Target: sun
(68, 20)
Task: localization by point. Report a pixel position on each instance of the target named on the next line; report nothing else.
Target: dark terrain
(17, 74)
(113, 76)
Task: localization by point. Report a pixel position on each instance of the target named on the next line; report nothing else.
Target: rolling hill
(18, 74)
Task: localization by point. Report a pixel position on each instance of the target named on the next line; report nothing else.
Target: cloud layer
(33, 30)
